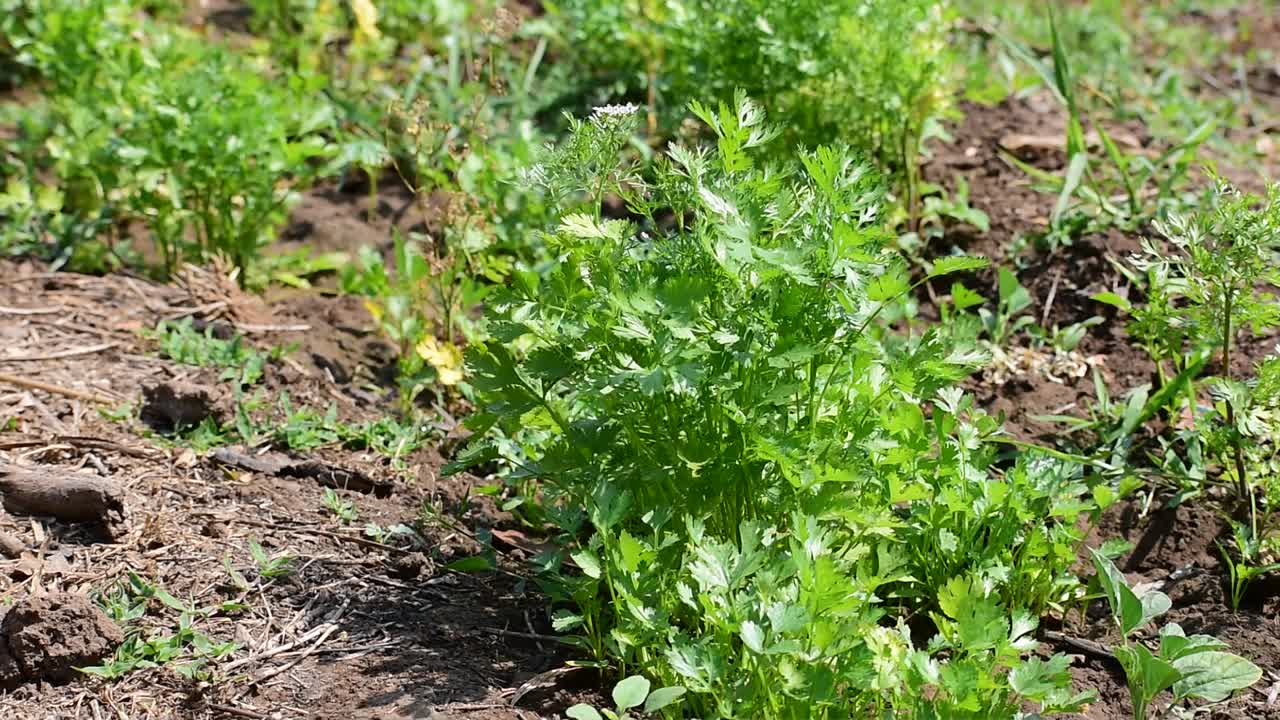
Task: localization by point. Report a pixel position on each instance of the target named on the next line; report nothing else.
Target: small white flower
(614, 111)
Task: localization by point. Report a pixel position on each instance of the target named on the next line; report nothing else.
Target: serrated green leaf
(888, 286)
(964, 298)
(752, 636)
(588, 562)
(956, 263)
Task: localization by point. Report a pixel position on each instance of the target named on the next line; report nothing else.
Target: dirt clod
(46, 638)
(408, 567)
(167, 406)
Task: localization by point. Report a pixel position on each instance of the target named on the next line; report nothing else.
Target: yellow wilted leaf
(375, 310)
(445, 357)
(366, 17)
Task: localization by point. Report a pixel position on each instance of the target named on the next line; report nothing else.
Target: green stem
(1242, 480)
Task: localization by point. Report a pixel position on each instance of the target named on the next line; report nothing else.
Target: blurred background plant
(873, 75)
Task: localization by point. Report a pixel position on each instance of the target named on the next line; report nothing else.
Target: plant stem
(1242, 480)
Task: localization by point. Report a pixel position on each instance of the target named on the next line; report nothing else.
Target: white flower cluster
(612, 111)
(612, 116)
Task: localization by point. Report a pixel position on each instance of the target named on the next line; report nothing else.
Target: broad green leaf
(1146, 671)
(1126, 608)
(631, 692)
(662, 697)
(1154, 604)
(476, 563)
(1110, 298)
(1213, 675)
(582, 711)
(1174, 644)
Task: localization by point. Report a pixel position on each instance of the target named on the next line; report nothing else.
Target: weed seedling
(270, 567)
(344, 510)
(186, 651)
(629, 694)
(1246, 564)
(1195, 667)
(240, 363)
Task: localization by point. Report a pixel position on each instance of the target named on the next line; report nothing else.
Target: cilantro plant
(1191, 667)
(755, 480)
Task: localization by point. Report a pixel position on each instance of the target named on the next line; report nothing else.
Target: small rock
(46, 638)
(168, 406)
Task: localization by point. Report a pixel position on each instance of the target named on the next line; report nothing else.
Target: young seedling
(1247, 565)
(629, 694)
(344, 510)
(1007, 319)
(185, 651)
(270, 567)
(1194, 667)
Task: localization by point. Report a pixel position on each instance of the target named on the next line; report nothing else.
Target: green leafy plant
(186, 651)
(401, 302)
(344, 510)
(1191, 667)
(240, 363)
(129, 132)
(705, 400)
(872, 74)
(1202, 292)
(1007, 319)
(1246, 565)
(1151, 188)
(629, 694)
(269, 566)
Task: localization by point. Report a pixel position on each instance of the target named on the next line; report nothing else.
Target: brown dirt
(44, 638)
(170, 405)
(400, 646)
(1061, 283)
